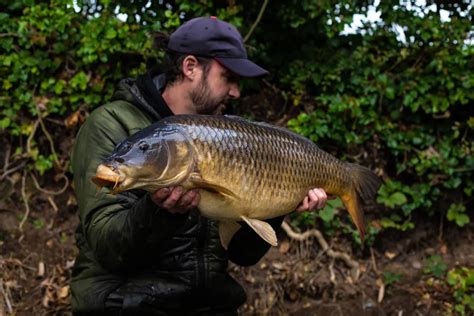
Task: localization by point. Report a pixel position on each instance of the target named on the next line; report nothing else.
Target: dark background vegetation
(395, 95)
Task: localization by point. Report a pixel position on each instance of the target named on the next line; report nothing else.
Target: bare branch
(259, 17)
(61, 191)
(25, 201)
(354, 265)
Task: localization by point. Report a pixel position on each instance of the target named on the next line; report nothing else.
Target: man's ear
(190, 67)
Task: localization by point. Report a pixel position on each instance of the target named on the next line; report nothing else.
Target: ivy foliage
(395, 95)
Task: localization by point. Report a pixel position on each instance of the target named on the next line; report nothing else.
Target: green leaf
(435, 265)
(42, 164)
(327, 214)
(7, 84)
(389, 277)
(4, 123)
(398, 198)
(80, 81)
(456, 213)
(110, 33)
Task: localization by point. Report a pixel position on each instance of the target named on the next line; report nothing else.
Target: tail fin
(365, 185)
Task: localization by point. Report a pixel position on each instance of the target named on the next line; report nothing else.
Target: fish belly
(220, 207)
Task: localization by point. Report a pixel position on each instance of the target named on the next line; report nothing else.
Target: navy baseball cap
(214, 38)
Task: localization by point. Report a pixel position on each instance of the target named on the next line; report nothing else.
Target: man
(142, 253)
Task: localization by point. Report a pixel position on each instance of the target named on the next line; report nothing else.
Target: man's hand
(175, 200)
(315, 200)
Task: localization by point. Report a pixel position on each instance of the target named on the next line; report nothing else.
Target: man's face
(214, 89)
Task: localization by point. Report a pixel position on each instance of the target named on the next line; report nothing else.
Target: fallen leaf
(277, 265)
(416, 264)
(71, 200)
(74, 119)
(284, 247)
(12, 284)
(349, 280)
(40, 269)
(443, 249)
(390, 255)
(50, 243)
(379, 282)
(69, 264)
(63, 292)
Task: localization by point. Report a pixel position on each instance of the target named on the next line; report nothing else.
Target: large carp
(246, 171)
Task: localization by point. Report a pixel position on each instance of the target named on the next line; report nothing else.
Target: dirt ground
(296, 278)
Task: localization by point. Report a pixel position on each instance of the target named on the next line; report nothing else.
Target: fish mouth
(106, 176)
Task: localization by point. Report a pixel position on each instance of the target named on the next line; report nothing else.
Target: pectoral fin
(263, 229)
(199, 182)
(227, 230)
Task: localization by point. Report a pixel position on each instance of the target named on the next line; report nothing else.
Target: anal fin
(227, 230)
(263, 229)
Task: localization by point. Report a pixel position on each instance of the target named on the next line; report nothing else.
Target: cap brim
(242, 67)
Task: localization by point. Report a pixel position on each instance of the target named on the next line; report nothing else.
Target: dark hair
(173, 61)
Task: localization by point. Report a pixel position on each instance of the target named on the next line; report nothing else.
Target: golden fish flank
(245, 171)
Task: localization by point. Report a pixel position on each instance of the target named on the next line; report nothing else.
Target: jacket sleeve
(115, 227)
(246, 247)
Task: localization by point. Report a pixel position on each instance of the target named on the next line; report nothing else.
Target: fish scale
(245, 170)
(257, 160)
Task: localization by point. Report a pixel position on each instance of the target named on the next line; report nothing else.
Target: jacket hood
(145, 93)
(123, 91)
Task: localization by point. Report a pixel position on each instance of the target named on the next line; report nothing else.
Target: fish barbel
(246, 171)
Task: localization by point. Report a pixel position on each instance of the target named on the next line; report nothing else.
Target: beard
(204, 102)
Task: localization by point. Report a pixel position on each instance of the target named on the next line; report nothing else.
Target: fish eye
(143, 146)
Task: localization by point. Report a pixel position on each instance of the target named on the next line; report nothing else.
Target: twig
(7, 158)
(354, 265)
(9, 34)
(17, 262)
(441, 224)
(30, 138)
(48, 136)
(53, 204)
(259, 17)
(374, 264)
(10, 171)
(25, 201)
(66, 184)
(332, 275)
(6, 299)
(381, 294)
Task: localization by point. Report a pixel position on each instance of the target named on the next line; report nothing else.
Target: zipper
(201, 277)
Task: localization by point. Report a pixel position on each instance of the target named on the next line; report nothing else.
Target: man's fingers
(161, 194)
(173, 198)
(304, 205)
(186, 200)
(318, 198)
(196, 200)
